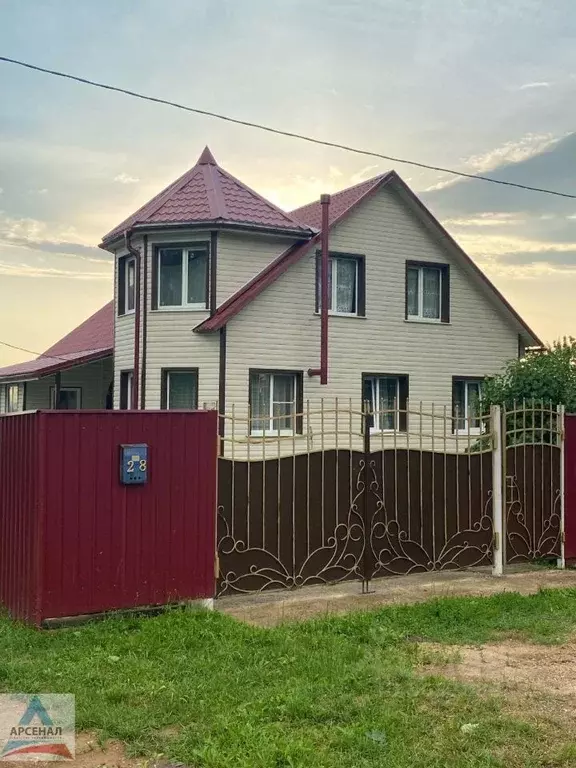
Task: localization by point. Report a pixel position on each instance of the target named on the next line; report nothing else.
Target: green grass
(333, 693)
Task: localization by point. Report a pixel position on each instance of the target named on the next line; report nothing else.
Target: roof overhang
(29, 373)
(215, 224)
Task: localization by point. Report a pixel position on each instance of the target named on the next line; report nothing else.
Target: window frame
(7, 388)
(444, 297)
(185, 248)
(122, 284)
(129, 261)
(165, 386)
(360, 283)
(125, 389)
(403, 391)
(466, 380)
(298, 402)
(78, 391)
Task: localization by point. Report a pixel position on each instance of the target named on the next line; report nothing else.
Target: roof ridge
(216, 198)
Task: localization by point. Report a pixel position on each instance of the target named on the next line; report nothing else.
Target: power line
(43, 354)
(280, 132)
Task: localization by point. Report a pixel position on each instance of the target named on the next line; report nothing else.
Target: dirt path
(271, 608)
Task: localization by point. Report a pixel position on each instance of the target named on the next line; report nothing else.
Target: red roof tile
(91, 340)
(340, 203)
(208, 193)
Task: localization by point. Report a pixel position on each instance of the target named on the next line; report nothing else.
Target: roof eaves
(54, 367)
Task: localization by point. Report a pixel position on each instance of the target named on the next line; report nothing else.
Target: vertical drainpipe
(136, 375)
(323, 370)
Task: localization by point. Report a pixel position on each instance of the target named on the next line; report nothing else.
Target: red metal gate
(74, 540)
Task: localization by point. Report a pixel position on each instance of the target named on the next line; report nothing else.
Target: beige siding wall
(280, 330)
(123, 337)
(241, 256)
(171, 343)
(92, 378)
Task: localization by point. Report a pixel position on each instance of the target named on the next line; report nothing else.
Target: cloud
(362, 175)
(27, 270)
(511, 152)
(38, 236)
(124, 178)
(528, 86)
(543, 162)
(550, 256)
(487, 219)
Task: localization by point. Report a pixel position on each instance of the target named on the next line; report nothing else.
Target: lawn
(338, 692)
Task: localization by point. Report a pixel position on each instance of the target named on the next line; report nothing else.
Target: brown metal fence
(340, 499)
(533, 475)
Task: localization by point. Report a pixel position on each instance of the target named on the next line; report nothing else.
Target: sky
(481, 86)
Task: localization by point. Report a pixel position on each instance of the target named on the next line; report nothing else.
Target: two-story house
(217, 300)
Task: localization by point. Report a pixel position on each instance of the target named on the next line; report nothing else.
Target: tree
(547, 377)
(530, 389)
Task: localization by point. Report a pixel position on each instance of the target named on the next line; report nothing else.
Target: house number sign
(134, 464)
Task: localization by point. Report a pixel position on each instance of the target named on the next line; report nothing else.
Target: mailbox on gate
(134, 464)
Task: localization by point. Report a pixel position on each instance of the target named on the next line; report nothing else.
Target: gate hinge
(496, 541)
(216, 566)
(563, 537)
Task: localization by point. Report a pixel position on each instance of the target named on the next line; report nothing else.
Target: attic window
(182, 277)
(427, 292)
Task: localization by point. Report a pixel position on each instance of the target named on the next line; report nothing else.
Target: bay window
(126, 285)
(181, 277)
(275, 401)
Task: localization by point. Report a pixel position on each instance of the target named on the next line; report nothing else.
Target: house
(76, 372)
(217, 300)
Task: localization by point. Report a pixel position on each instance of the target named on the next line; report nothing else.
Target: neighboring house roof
(91, 340)
(341, 205)
(207, 194)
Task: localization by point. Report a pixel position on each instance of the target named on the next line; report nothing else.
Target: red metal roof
(91, 340)
(207, 193)
(341, 205)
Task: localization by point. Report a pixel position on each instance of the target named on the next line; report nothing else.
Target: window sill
(259, 436)
(180, 309)
(387, 431)
(341, 314)
(474, 432)
(425, 321)
(128, 313)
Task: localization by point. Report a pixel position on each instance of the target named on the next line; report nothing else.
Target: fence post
(366, 424)
(497, 502)
(561, 561)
